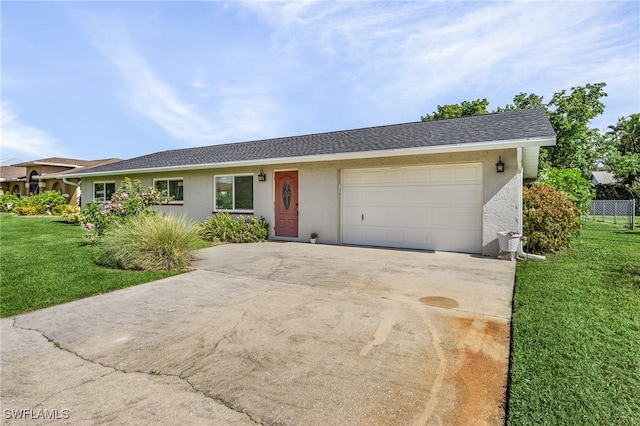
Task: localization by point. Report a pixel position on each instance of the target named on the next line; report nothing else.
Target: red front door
(286, 197)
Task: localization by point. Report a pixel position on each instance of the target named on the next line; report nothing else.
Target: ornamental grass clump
(149, 242)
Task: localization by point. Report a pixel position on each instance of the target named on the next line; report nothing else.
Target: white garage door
(427, 207)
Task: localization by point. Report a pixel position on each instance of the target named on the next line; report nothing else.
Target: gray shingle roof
(503, 126)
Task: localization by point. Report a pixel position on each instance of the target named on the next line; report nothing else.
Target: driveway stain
(439, 302)
(481, 372)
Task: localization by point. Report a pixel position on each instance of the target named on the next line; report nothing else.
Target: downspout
(521, 252)
(77, 185)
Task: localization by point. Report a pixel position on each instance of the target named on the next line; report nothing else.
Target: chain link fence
(619, 213)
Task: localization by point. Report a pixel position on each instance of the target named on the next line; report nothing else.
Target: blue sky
(94, 80)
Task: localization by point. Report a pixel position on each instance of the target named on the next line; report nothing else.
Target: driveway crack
(57, 345)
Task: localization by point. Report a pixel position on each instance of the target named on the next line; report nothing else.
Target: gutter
(68, 182)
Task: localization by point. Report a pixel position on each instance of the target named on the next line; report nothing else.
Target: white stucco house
(446, 185)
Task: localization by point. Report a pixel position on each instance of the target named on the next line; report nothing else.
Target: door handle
(296, 209)
(362, 216)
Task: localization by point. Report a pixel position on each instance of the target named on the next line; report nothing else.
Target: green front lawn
(45, 261)
(576, 334)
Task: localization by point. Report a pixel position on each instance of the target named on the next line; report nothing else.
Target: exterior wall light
(500, 165)
(261, 176)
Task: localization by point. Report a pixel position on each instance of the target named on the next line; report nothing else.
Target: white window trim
(167, 180)
(233, 193)
(93, 185)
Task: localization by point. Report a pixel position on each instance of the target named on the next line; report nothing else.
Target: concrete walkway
(273, 333)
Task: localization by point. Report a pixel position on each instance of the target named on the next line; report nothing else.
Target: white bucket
(508, 241)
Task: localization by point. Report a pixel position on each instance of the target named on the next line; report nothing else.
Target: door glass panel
(286, 195)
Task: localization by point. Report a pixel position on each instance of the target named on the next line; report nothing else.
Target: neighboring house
(46, 174)
(12, 180)
(602, 178)
(426, 185)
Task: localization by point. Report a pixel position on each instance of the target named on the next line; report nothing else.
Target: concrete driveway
(274, 333)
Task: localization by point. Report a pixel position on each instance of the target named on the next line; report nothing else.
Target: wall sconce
(261, 176)
(500, 165)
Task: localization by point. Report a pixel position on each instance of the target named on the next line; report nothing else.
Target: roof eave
(463, 147)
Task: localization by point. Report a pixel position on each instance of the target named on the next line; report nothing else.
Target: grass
(45, 261)
(576, 334)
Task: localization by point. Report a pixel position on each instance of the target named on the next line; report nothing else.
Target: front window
(102, 191)
(173, 187)
(234, 193)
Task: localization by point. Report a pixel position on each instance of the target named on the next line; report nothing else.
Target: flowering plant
(129, 200)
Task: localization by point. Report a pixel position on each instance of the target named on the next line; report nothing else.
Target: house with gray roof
(446, 185)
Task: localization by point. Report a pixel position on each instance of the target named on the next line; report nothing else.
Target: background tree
(464, 109)
(624, 156)
(569, 112)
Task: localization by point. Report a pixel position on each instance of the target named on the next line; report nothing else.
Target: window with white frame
(171, 187)
(234, 193)
(102, 191)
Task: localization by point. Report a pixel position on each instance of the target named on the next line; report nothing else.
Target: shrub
(28, 210)
(65, 210)
(550, 220)
(222, 227)
(572, 184)
(8, 201)
(39, 203)
(149, 242)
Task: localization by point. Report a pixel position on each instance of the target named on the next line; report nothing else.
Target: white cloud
(205, 112)
(147, 94)
(421, 54)
(19, 139)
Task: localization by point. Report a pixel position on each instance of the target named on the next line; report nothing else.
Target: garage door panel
(416, 176)
(441, 195)
(416, 217)
(396, 196)
(468, 195)
(372, 196)
(441, 175)
(393, 216)
(393, 176)
(416, 196)
(373, 235)
(351, 196)
(470, 173)
(428, 207)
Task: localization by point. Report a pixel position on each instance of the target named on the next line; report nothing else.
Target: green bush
(149, 242)
(550, 220)
(8, 201)
(222, 227)
(572, 184)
